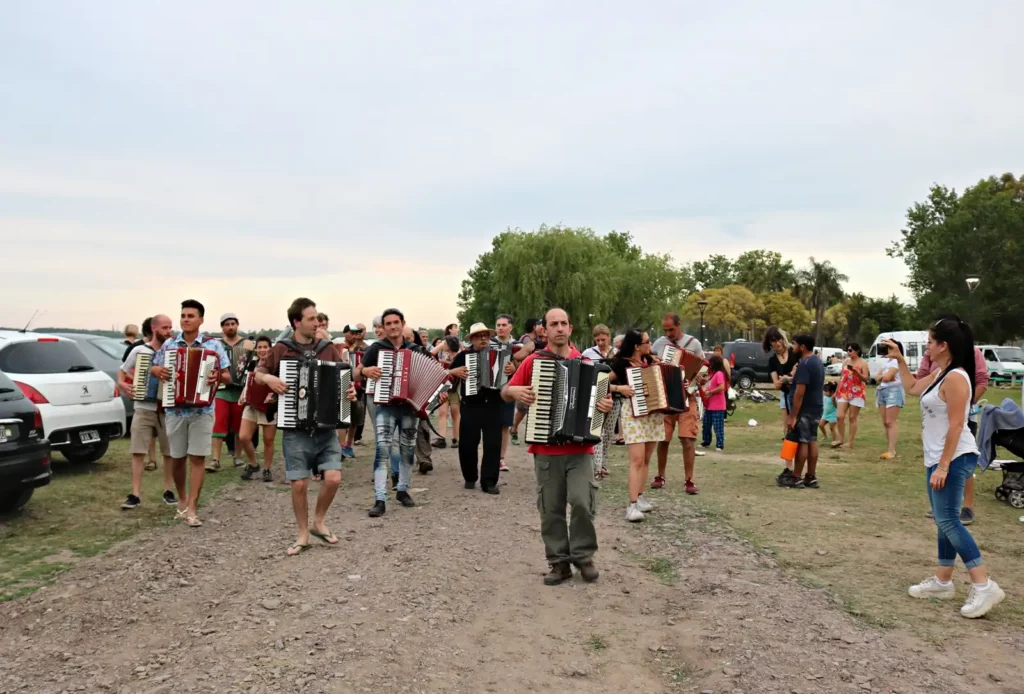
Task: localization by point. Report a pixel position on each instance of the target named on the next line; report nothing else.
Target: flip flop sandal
(297, 549)
(150, 465)
(180, 515)
(328, 538)
(886, 456)
(193, 521)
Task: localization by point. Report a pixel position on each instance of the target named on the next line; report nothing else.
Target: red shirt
(523, 377)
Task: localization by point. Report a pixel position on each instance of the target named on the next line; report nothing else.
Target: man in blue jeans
(389, 418)
(306, 450)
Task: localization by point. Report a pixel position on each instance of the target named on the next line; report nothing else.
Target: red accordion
(408, 378)
(190, 369)
(255, 394)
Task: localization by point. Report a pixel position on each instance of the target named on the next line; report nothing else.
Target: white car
(80, 405)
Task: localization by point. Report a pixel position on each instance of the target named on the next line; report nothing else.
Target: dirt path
(446, 597)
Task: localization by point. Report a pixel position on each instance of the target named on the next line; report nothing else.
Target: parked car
(105, 354)
(749, 363)
(24, 451)
(80, 406)
(1005, 364)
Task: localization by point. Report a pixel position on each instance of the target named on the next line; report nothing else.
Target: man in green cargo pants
(564, 471)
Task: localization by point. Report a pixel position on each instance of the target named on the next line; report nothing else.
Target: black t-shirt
(486, 395)
(783, 368)
(811, 374)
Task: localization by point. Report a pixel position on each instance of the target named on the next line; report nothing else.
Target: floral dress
(647, 429)
(851, 387)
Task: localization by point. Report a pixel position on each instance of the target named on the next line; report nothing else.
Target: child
(714, 410)
(830, 416)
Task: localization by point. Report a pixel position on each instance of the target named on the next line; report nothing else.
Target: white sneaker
(643, 505)
(699, 453)
(979, 602)
(633, 514)
(932, 588)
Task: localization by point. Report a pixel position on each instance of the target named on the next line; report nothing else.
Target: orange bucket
(788, 452)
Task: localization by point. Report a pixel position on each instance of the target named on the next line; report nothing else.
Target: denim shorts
(305, 450)
(508, 415)
(890, 397)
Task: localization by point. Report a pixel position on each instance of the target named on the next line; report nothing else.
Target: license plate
(90, 436)
(6, 434)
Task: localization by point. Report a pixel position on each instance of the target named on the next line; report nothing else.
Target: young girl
(252, 418)
(714, 411)
(829, 416)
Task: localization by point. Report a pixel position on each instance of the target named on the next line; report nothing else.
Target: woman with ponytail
(950, 456)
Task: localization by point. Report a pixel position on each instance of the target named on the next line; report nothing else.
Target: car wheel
(86, 454)
(746, 381)
(11, 501)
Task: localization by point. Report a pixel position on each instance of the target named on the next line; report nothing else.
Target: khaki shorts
(689, 427)
(146, 424)
(190, 434)
(251, 414)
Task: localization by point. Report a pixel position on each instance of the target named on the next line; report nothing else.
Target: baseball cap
(227, 317)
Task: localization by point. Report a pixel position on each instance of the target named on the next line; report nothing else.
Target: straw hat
(477, 328)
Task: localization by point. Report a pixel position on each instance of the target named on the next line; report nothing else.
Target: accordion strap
(318, 347)
(549, 355)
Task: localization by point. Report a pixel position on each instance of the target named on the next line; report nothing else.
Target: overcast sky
(364, 154)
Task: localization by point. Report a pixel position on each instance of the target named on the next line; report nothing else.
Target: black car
(24, 452)
(749, 363)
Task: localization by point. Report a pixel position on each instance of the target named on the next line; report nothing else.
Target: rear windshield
(6, 384)
(111, 347)
(43, 358)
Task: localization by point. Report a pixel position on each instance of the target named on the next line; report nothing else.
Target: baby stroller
(1012, 488)
(1003, 426)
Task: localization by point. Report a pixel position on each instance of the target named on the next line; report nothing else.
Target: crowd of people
(486, 421)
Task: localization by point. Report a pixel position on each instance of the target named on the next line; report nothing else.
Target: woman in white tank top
(950, 456)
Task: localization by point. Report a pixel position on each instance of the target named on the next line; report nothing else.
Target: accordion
(254, 394)
(687, 361)
(408, 378)
(656, 388)
(238, 362)
(189, 383)
(317, 396)
(486, 369)
(566, 406)
(143, 387)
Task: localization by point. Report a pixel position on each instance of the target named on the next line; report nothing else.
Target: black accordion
(486, 369)
(565, 410)
(317, 396)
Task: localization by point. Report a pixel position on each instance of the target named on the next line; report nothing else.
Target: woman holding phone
(851, 394)
(950, 456)
(890, 399)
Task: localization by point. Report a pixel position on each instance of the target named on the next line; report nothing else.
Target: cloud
(251, 151)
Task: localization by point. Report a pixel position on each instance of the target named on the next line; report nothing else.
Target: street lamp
(702, 305)
(972, 283)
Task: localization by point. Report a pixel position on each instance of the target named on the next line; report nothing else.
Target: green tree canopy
(950, 237)
(731, 309)
(786, 311)
(607, 277)
(763, 271)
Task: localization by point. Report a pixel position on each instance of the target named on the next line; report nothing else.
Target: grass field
(79, 515)
(863, 536)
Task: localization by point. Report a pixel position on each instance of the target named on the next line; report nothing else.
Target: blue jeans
(388, 420)
(954, 538)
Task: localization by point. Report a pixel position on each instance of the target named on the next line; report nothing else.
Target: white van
(913, 341)
(1004, 363)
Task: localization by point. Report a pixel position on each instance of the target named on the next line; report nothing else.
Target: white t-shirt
(129, 366)
(895, 383)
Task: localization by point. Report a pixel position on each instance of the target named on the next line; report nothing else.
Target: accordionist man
(305, 450)
(564, 471)
(481, 414)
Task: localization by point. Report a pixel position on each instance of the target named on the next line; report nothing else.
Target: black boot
(378, 509)
(559, 572)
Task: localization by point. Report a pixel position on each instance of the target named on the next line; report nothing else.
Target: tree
(763, 271)
(949, 237)
(786, 311)
(733, 309)
(821, 283)
(609, 278)
(714, 273)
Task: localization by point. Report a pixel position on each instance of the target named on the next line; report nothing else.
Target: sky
(364, 154)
